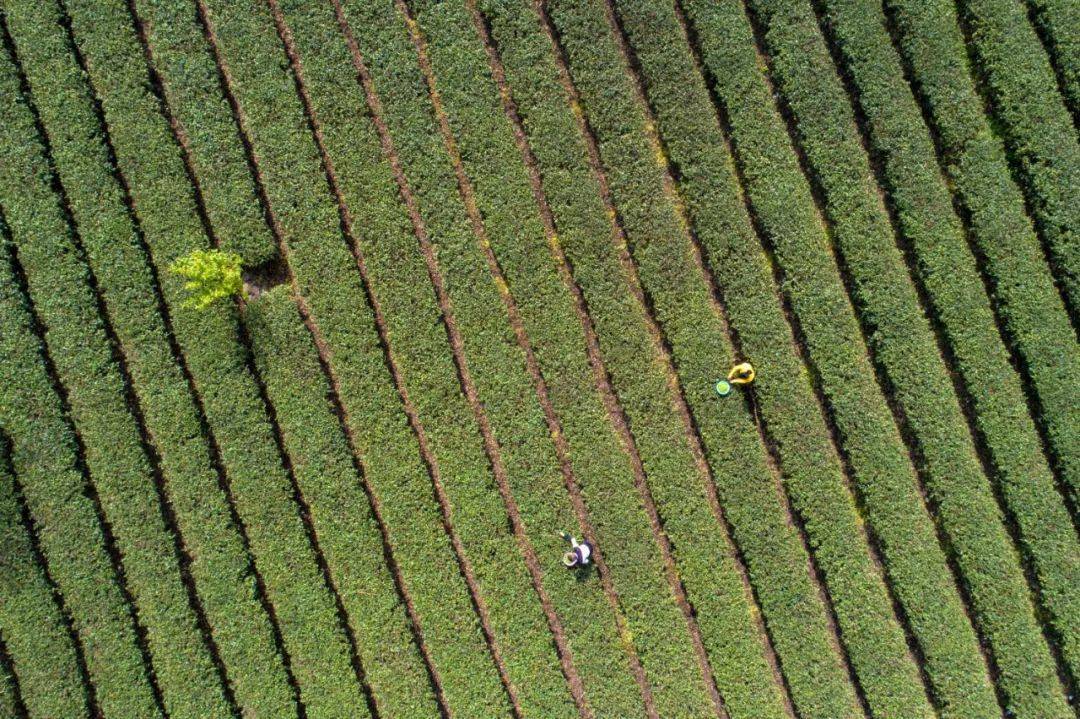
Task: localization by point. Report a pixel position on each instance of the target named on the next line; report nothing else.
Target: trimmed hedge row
(887, 675)
(974, 159)
(742, 677)
(1059, 21)
(394, 676)
(1029, 304)
(45, 458)
(1039, 134)
(505, 201)
(260, 486)
(772, 548)
(34, 638)
(890, 308)
(659, 632)
(10, 702)
(423, 357)
(323, 464)
(326, 276)
(873, 450)
(78, 342)
(179, 52)
(956, 296)
(395, 263)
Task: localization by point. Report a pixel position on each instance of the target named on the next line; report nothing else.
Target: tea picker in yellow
(742, 373)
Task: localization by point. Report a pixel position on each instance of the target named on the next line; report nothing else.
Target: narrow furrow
(827, 509)
(495, 359)
(283, 184)
(844, 380)
(37, 634)
(11, 701)
(1016, 80)
(688, 428)
(48, 457)
(440, 492)
(1057, 24)
(932, 239)
(121, 450)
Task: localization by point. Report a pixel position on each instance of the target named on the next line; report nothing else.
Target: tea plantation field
(496, 256)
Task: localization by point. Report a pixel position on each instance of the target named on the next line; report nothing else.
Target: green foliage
(272, 513)
(182, 58)
(211, 275)
(1059, 25)
(1021, 92)
(256, 478)
(902, 342)
(1029, 311)
(426, 362)
(1029, 308)
(250, 472)
(44, 456)
(78, 345)
(341, 513)
(34, 636)
(327, 276)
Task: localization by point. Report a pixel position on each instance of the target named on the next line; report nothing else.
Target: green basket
(722, 387)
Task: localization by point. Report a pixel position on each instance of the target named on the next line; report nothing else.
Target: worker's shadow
(583, 573)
